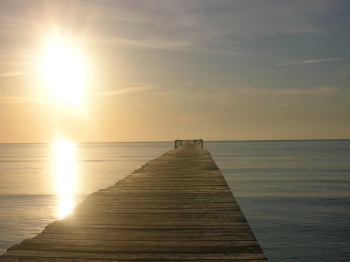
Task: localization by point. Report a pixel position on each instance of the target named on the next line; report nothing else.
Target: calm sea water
(295, 194)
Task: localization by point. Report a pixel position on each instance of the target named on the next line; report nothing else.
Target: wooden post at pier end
(176, 207)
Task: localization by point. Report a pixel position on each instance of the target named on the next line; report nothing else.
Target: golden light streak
(65, 172)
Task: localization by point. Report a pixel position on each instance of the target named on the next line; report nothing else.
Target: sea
(294, 194)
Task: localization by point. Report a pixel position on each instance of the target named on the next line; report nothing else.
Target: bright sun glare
(65, 173)
(63, 73)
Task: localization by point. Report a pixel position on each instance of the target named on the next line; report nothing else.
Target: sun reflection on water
(64, 158)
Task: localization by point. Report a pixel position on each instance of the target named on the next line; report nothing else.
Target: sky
(166, 70)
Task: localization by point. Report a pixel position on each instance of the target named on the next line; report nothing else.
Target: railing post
(178, 143)
(199, 142)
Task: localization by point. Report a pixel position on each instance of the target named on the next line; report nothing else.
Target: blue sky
(161, 70)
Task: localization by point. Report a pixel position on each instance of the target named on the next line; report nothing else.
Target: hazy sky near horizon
(162, 70)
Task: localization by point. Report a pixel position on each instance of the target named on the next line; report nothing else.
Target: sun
(63, 72)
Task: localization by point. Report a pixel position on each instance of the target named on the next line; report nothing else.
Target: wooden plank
(170, 184)
(142, 244)
(116, 215)
(149, 223)
(153, 227)
(194, 173)
(138, 248)
(150, 211)
(137, 256)
(201, 197)
(157, 217)
(15, 259)
(132, 235)
(116, 204)
(167, 193)
(169, 232)
(107, 197)
(166, 179)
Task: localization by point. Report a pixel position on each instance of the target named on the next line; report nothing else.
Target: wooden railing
(199, 142)
(179, 142)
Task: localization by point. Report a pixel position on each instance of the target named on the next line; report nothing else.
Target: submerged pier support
(177, 207)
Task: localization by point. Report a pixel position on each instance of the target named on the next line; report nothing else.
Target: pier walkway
(177, 207)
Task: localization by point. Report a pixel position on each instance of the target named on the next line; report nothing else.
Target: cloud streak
(19, 99)
(345, 74)
(8, 74)
(127, 90)
(310, 61)
(225, 79)
(321, 90)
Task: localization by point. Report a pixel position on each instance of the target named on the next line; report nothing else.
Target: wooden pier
(177, 207)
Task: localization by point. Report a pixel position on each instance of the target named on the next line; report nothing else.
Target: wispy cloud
(345, 74)
(329, 109)
(19, 99)
(321, 90)
(245, 96)
(15, 73)
(310, 61)
(205, 21)
(127, 90)
(225, 79)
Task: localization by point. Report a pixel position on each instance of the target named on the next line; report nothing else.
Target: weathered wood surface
(177, 207)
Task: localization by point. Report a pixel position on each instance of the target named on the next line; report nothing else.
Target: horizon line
(171, 141)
